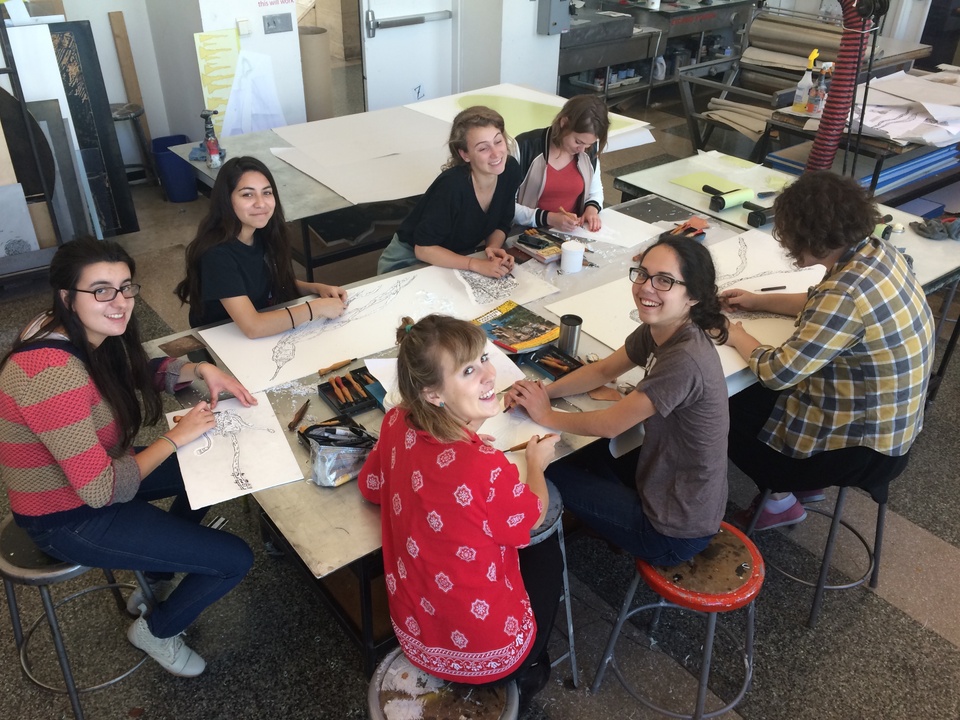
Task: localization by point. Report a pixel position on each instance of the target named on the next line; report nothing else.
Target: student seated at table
(465, 604)
(667, 505)
(841, 401)
(561, 185)
(70, 411)
(239, 264)
(470, 204)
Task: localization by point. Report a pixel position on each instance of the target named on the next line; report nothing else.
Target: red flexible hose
(842, 89)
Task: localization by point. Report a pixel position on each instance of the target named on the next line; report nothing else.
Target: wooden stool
(23, 563)
(397, 684)
(726, 576)
(873, 554)
(553, 524)
(133, 112)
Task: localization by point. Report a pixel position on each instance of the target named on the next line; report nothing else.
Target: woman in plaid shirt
(841, 401)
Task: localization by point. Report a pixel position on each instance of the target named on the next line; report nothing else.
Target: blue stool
(23, 563)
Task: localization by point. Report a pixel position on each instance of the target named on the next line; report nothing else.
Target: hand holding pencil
(563, 220)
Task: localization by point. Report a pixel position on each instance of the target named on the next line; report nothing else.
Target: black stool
(23, 563)
(133, 112)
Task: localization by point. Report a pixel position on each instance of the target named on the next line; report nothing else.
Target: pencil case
(346, 397)
(337, 452)
(553, 362)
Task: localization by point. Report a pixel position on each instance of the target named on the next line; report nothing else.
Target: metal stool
(873, 554)
(23, 563)
(726, 576)
(133, 113)
(553, 524)
(398, 682)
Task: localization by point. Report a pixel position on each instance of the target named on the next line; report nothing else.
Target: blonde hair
(478, 116)
(423, 347)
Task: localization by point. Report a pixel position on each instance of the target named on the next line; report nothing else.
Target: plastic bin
(177, 176)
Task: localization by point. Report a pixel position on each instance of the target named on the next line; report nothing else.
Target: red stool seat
(726, 576)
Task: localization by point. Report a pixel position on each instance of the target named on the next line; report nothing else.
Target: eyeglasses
(663, 283)
(106, 294)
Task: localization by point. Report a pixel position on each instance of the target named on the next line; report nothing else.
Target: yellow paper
(696, 181)
(217, 56)
(524, 113)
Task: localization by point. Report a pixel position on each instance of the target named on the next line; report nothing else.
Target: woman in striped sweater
(75, 390)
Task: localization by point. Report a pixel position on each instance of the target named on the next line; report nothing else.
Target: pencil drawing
(485, 290)
(230, 424)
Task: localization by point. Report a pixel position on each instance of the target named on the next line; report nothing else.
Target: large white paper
(752, 260)
(618, 229)
(253, 104)
(367, 326)
(246, 452)
(17, 234)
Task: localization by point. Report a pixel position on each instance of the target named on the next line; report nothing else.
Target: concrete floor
(274, 650)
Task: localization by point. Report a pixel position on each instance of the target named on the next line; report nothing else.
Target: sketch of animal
(485, 290)
(230, 424)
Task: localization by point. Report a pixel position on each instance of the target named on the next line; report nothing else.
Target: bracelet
(310, 309)
(469, 261)
(175, 446)
(196, 369)
(292, 323)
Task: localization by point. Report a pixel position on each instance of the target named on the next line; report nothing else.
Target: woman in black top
(471, 202)
(239, 264)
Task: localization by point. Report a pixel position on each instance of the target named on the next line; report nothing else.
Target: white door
(407, 50)
(905, 20)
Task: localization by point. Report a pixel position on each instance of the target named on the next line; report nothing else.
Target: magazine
(517, 329)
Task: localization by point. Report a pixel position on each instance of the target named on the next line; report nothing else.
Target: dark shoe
(810, 496)
(533, 681)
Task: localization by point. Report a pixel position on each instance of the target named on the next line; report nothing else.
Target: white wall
(499, 44)
(904, 19)
(283, 48)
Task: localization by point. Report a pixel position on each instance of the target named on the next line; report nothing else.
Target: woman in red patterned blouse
(465, 605)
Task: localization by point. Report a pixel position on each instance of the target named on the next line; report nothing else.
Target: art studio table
(332, 534)
(936, 262)
(381, 155)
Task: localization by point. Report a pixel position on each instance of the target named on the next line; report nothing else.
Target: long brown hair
(423, 347)
(221, 225)
(473, 117)
(118, 366)
(583, 114)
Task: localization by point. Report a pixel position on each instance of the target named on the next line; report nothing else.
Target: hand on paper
(331, 291)
(540, 451)
(497, 265)
(193, 424)
(329, 307)
(736, 299)
(591, 219)
(218, 381)
(563, 220)
(532, 397)
(486, 439)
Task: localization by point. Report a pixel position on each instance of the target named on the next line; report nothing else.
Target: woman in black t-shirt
(469, 204)
(239, 264)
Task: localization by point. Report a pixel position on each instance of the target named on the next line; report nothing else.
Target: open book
(517, 329)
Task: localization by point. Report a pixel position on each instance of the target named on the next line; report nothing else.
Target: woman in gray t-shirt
(667, 507)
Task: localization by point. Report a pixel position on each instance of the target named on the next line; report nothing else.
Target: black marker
(773, 287)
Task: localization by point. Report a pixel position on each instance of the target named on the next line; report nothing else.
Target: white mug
(571, 257)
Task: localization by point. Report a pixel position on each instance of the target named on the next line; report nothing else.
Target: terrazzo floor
(275, 651)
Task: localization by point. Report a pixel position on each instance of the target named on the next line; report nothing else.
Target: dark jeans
(853, 466)
(136, 535)
(601, 491)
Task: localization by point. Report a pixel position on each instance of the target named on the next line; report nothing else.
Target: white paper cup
(571, 257)
(653, 4)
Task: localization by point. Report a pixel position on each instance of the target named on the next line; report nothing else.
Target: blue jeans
(136, 535)
(600, 491)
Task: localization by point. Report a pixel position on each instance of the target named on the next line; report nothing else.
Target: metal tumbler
(569, 339)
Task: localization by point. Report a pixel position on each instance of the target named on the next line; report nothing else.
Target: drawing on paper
(484, 290)
(245, 452)
(230, 424)
(363, 302)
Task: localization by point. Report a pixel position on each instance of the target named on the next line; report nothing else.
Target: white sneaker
(172, 653)
(137, 602)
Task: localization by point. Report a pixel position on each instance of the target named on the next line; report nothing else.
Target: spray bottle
(210, 141)
(806, 82)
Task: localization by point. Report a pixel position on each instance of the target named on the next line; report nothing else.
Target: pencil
(298, 416)
(773, 287)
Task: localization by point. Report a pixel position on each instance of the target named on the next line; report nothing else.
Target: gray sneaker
(172, 653)
(137, 602)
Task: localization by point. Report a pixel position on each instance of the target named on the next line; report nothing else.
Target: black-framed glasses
(664, 283)
(106, 294)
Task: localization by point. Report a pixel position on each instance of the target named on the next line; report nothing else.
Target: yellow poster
(217, 57)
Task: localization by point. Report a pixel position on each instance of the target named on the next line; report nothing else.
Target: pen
(298, 416)
(773, 287)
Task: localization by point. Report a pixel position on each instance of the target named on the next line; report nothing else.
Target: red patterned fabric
(452, 515)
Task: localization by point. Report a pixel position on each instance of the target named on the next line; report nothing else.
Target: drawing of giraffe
(230, 424)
